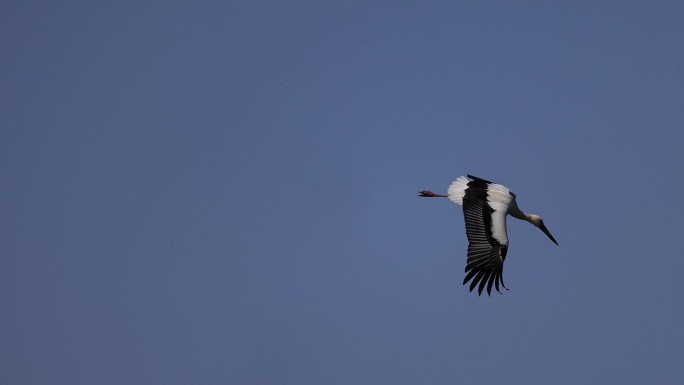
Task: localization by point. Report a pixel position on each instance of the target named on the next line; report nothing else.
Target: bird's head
(539, 222)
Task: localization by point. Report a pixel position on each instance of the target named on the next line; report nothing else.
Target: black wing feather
(485, 254)
(479, 180)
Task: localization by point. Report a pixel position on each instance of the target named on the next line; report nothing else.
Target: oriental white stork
(485, 206)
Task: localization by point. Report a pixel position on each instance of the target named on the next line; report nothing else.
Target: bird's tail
(457, 189)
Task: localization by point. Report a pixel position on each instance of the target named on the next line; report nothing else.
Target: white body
(499, 198)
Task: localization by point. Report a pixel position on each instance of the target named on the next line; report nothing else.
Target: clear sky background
(225, 192)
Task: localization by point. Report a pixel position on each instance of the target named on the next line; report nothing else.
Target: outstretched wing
(486, 254)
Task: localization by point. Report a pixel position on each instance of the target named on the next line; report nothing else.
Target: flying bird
(485, 207)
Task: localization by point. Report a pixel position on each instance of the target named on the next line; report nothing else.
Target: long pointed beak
(548, 234)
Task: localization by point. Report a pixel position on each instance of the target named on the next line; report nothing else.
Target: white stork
(485, 206)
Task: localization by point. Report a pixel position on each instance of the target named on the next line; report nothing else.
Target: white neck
(517, 213)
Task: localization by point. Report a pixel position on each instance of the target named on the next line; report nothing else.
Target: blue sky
(226, 192)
